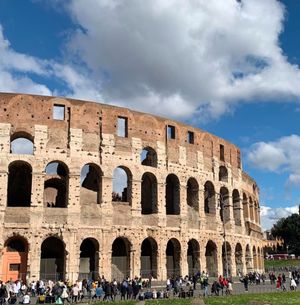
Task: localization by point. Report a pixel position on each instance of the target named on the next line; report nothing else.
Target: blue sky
(229, 67)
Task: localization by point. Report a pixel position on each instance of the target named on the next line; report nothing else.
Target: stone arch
(120, 258)
(227, 258)
(149, 252)
(211, 256)
(223, 174)
(90, 184)
(236, 207)
(209, 198)
(89, 259)
(14, 259)
(192, 194)
(224, 204)
(248, 259)
(245, 207)
(238, 253)
(172, 195)
(122, 184)
(173, 255)
(53, 259)
(56, 185)
(21, 143)
(149, 193)
(193, 256)
(149, 157)
(19, 184)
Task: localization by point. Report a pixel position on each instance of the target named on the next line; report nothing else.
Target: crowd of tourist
(66, 292)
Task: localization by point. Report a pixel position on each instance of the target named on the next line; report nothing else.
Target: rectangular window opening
(14, 267)
(190, 137)
(222, 156)
(59, 112)
(170, 132)
(122, 130)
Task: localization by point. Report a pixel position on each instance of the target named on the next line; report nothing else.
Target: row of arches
(53, 255)
(56, 189)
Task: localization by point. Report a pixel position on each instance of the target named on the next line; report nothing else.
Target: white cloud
(184, 58)
(16, 70)
(278, 156)
(270, 216)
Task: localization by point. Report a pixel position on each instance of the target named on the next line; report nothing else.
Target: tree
(289, 230)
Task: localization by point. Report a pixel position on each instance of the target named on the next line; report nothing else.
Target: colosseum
(93, 189)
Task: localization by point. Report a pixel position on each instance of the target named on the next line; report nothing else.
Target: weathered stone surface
(62, 206)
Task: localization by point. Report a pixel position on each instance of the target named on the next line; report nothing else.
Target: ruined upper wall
(23, 112)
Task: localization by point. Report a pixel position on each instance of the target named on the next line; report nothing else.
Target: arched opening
(89, 259)
(53, 257)
(193, 256)
(223, 174)
(14, 259)
(173, 254)
(236, 207)
(172, 195)
(192, 194)
(251, 205)
(149, 194)
(56, 186)
(254, 258)
(120, 259)
(91, 184)
(149, 157)
(238, 259)
(19, 184)
(21, 143)
(149, 258)
(122, 180)
(248, 259)
(211, 256)
(227, 259)
(224, 205)
(209, 198)
(245, 207)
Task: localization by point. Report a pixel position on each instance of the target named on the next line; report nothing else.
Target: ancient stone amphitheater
(89, 189)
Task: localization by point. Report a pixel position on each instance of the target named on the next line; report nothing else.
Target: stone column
(161, 203)
(106, 204)
(244, 269)
(34, 258)
(203, 258)
(219, 260)
(201, 207)
(72, 255)
(183, 206)
(136, 190)
(183, 262)
(162, 262)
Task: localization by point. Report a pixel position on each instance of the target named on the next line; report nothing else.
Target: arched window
(209, 198)
(149, 194)
(89, 259)
(19, 184)
(149, 258)
(192, 195)
(236, 207)
(91, 184)
(56, 186)
(122, 180)
(172, 195)
(149, 157)
(21, 143)
(211, 255)
(173, 253)
(223, 174)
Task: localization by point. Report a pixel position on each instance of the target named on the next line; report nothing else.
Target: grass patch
(133, 302)
(276, 298)
(169, 302)
(282, 263)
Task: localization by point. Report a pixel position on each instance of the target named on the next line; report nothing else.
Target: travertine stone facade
(61, 221)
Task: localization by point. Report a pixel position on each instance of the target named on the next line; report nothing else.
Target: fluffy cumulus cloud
(278, 156)
(186, 59)
(270, 216)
